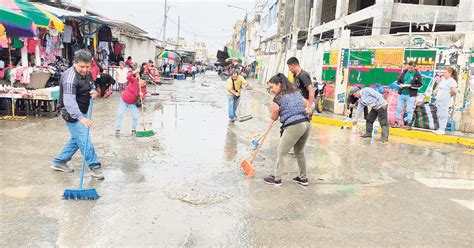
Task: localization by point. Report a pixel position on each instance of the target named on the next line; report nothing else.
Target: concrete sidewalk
(416, 133)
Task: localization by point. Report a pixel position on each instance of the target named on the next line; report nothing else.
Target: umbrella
(169, 55)
(16, 24)
(40, 17)
(54, 20)
(233, 60)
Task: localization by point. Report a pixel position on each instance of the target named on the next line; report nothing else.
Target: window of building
(404, 27)
(431, 2)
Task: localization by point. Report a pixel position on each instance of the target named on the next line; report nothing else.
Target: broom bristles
(248, 168)
(145, 133)
(80, 194)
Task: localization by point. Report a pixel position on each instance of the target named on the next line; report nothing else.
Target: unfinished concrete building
(310, 21)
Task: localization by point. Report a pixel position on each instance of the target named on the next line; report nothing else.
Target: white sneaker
(440, 132)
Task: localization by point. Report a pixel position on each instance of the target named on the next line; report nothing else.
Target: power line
(197, 34)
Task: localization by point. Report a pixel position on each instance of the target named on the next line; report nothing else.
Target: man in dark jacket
(76, 89)
(409, 82)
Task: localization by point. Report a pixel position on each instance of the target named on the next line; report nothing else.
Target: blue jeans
(410, 103)
(193, 74)
(233, 104)
(78, 138)
(122, 108)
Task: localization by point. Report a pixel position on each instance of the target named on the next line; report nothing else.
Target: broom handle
(264, 134)
(261, 143)
(89, 116)
(143, 111)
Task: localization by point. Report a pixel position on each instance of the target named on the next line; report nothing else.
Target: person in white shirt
(121, 76)
(444, 92)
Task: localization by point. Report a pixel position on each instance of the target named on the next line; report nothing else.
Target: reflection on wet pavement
(184, 186)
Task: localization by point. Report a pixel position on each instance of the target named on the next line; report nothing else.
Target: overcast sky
(210, 21)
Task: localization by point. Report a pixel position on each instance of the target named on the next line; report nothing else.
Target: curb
(413, 134)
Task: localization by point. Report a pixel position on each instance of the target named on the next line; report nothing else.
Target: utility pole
(164, 24)
(179, 27)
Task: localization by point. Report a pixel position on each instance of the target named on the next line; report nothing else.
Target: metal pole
(245, 37)
(179, 26)
(164, 24)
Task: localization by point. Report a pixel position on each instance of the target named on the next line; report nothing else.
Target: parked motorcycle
(224, 75)
(57, 68)
(319, 95)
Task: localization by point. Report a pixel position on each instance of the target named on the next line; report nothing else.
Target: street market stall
(29, 35)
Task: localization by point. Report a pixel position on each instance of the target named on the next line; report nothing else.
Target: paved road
(184, 186)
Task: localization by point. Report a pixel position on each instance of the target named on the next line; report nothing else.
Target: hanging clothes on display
(17, 43)
(104, 51)
(105, 34)
(67, 35)
(31, 45)
(4, 43)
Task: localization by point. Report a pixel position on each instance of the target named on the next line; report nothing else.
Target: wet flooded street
(184, 186)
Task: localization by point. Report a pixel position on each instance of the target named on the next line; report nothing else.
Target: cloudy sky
(210, 21)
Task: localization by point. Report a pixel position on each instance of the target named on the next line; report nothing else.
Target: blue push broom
(81, 193)
(256, 142)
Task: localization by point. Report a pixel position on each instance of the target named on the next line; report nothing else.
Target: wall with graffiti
(383, 66)
(329, 70)
(367, 67)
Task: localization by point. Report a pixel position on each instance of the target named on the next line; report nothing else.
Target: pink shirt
(130, 95)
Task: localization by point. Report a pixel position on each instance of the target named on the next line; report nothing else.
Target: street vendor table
(177, 76)
(40, 102)
(38, 80)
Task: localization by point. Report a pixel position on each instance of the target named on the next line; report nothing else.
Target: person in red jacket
(129, 62)
(136, 89)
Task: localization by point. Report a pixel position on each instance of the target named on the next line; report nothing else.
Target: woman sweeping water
(289, 105)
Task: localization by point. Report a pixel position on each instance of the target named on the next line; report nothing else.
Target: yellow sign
(333, 58)
(389, 57)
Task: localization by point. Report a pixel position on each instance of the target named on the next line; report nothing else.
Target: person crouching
(369, 97)
(290, 106)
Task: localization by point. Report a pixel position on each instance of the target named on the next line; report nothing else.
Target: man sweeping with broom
(76, 90)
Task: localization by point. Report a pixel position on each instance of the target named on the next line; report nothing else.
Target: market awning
(59, 12)
(63, 14)
(16, 24)
(222, 56)
(124, 26)
(58, 24)
(40, 17)
(234, 53)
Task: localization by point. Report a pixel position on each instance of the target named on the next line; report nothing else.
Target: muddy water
(184, 186)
